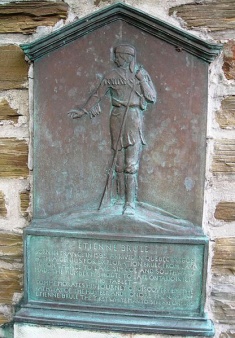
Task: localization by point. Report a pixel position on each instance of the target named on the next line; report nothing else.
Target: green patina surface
(161, 277)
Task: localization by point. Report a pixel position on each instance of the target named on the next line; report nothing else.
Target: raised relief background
(72, 157)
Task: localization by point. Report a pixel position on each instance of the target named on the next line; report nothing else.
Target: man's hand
(141, 74)
(76, 113)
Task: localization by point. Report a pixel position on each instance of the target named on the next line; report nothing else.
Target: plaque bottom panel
(118, 282)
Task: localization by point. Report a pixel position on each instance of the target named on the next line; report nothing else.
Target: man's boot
(129, 208)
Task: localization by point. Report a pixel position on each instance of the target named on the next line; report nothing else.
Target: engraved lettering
(102, 272)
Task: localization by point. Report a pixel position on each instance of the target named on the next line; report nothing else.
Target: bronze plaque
(119, 143)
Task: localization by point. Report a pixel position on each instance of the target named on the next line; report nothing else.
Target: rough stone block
(224, 157)
(229, 59)
(223, 310)
(225, 211)
(224, 256)
(98, 2)
(13, 68)
(24, 203)
(7, 113)
(3, 210)
(227, 333)
(25, 16)
(3, 318)
(223, 286)
(226, 115)
(26, 330)
(215, 15)
(13, 158)
(10, 282)
(11, 248)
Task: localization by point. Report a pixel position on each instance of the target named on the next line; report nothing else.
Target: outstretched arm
(92, 105)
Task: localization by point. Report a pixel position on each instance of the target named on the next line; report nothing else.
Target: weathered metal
(148, 267)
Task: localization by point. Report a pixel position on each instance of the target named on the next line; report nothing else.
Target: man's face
(120, 59)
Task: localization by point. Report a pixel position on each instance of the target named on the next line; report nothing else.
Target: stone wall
(24, 21)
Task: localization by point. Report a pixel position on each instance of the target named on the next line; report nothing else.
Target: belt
(118, 104)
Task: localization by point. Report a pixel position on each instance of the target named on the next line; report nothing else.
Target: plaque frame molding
(181, 39)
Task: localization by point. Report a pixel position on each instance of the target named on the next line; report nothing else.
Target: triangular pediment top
(204, 50)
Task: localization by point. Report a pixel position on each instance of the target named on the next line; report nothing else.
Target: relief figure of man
(131, 90)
